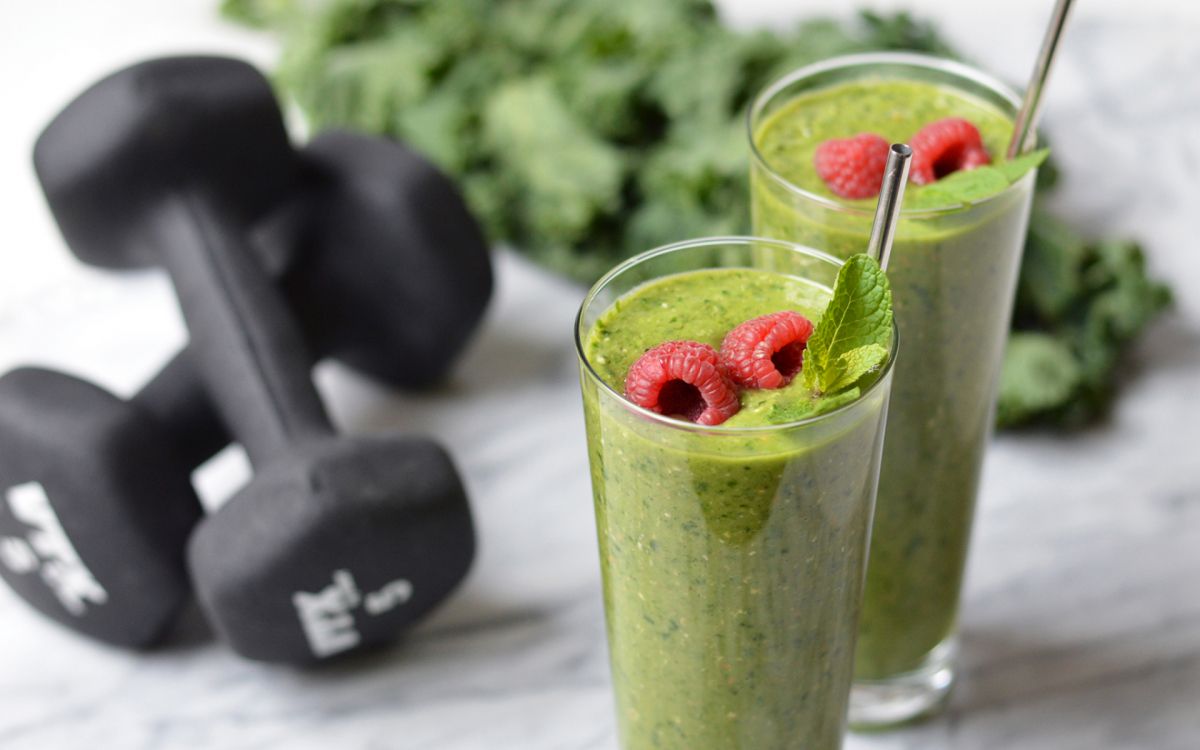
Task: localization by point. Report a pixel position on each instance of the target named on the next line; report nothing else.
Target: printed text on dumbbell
(46, 549)
(327, 616)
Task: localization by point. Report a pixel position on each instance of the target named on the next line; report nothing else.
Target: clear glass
(953, 274)
(732, 558)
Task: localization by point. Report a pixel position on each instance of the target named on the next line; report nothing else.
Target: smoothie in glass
(733, 556)
(953, 272)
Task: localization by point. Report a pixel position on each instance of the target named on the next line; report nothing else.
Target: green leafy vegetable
(1079, 305)
(973, 185)
(651, 93)
(583, 131)
(1015, 169)
(855, 364)
(562, 174)
(855, 331)
(1040, 373)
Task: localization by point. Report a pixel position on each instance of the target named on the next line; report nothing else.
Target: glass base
(878, 704)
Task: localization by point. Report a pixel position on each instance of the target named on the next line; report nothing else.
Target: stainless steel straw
(887, 211)
(1027, 118)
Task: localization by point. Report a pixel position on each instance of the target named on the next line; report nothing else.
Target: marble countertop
(1082, 618)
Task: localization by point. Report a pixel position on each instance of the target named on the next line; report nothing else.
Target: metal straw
(887, 211)
(1026, 124)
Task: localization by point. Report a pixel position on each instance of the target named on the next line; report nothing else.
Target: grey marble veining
(1082, 618)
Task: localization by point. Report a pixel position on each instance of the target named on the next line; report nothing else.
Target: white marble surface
(1082, 621)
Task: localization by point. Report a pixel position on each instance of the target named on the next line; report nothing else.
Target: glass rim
(691, 427)
(915, 59)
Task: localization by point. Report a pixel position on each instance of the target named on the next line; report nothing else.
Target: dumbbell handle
(176, 401)
(244, 343)
(176, 398)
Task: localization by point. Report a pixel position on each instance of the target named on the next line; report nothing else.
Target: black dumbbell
(96, 504)
(340, 207)
(336, 543)
(112, 477)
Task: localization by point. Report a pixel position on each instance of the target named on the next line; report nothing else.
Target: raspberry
(946, 146)
(682, 379)
(766, 352)
(853, 167)
(975, 157)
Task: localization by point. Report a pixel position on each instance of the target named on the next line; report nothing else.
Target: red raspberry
(682, 379)
(946, 146)
(766, 352)
(853, 167)
(975, 157)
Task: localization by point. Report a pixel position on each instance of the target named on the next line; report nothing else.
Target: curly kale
(583, 131)
(1079, 305)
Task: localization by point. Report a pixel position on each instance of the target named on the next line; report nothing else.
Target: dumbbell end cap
(95, 509)
(341, 547)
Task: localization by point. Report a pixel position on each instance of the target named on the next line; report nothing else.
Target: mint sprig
(973, 185)
(854, 364)
(854, 335)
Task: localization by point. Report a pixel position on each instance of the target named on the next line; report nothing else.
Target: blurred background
(1082, 618)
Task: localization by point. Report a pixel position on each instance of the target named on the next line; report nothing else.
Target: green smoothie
(732, 556)
(953, 273)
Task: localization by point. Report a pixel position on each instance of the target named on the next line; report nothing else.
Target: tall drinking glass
(953, 273)
(732, 558)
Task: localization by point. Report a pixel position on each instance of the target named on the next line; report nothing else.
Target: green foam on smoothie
(788, 138)
(704, 306)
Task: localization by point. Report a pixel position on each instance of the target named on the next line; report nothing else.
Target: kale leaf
(583, 131)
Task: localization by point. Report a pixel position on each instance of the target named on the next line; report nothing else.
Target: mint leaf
(856, 363)
(973, 185)
(1015, 169)
(965, 186)
(835, 401)
(858, 316)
